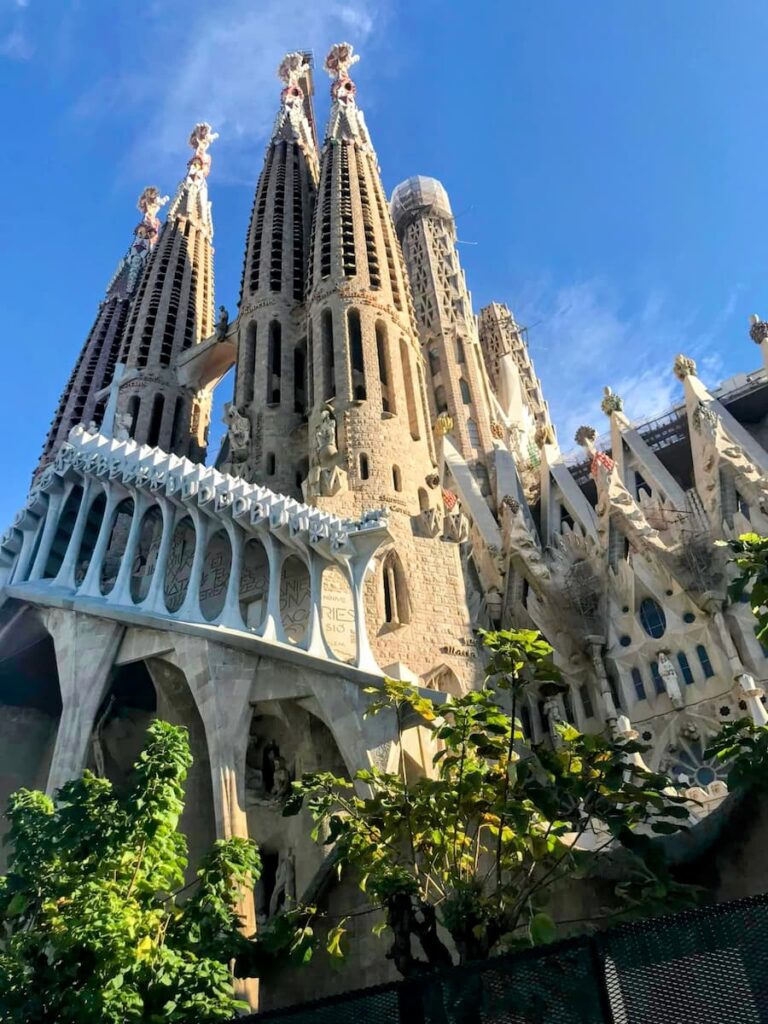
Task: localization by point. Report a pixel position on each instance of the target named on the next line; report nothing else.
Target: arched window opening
(423, 499)
(364, 468)
(459, 351)
(658, 682)
(652, 618)
(300, 378)
(310, 368)
(466, 397)
(586, 701)
(176, 438)
(382, 352)
(614, 688)
(685, 668)
(113, 556)
(329, 361)
(64, 526)
(396, 607)
(397, 480)
(356, 355)
(641, 486)
(246, 370)
(706, 664)
(639, 685)
(474, 437)
(134, 404)
(274, 363)
(271, 463)
(156, 420)
(410, 394)
(434, 360)
(440, 400)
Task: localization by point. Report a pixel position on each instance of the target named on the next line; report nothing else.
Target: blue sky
(607, 162)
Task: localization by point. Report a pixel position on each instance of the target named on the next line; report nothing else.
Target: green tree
(479, 847)
(751, 560)
(92, 927)
(742, 745)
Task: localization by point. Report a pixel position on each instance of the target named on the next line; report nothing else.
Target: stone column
(121, 592)
(190, 608)
(91, 585)
(55, 503)
(752, 694)
(273, 623)
(315, 641)
(364, 657)
(231, 615)
(221, 681)
(85, 652)
(154, 601)
(607, 705)
(66, 573)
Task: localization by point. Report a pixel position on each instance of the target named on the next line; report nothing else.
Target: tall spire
(271, 386)
(370, 433)
(81, 401)
(173, 310)
(457, 378)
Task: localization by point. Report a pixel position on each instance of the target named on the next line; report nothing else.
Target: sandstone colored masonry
(390, 480)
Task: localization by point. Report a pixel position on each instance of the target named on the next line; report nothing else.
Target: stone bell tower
(370, 436)
(82, 401)
(271, 389)
(173, 311)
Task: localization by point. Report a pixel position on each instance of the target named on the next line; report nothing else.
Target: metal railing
(707, 966)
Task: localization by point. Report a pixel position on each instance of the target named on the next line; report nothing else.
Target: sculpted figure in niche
(325, 437)
(671, 682)
(268, 783)
(325, 475)
(122, 428)
(284, 893)
(239, 435)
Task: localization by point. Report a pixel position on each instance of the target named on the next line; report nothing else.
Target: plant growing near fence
(92, 928)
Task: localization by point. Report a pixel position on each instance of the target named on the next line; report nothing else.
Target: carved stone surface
(611, 402)
(684, 367)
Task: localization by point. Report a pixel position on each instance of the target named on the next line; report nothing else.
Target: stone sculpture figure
(326, 477)
(123, 424)
(284, 893)
(238, 431)
(671, 682)
(222, 324)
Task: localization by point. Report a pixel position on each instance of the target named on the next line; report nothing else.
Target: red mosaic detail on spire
(601, 459)
(449, 500)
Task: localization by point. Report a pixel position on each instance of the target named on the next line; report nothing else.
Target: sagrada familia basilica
(390, 480)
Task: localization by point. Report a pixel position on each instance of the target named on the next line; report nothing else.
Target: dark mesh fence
(707, 966)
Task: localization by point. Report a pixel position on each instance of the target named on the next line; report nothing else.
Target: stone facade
(390, 480)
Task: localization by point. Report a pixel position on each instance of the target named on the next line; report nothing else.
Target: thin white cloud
(16, 45)
(224, 72)
(583, 339)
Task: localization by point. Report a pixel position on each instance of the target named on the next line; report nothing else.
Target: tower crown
(346, 121)
(191, 197)
(419, 195)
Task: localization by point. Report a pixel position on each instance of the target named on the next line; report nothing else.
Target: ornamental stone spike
(585, 437)
(340, 59)
(684, 367)
(611, 402)
(758, 330)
